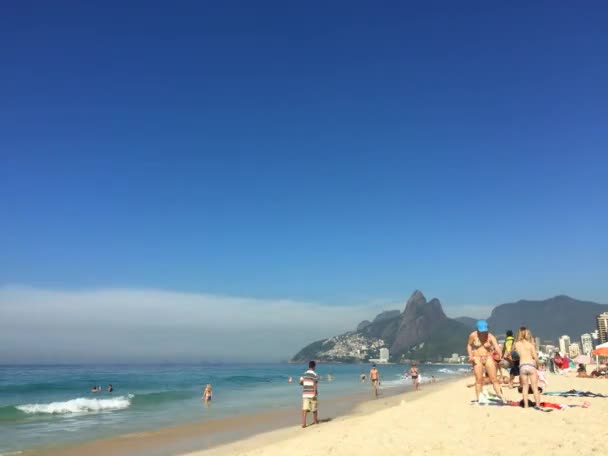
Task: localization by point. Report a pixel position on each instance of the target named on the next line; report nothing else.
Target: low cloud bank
(115, 325)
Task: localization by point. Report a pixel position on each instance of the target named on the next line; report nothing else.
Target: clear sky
(341, 153)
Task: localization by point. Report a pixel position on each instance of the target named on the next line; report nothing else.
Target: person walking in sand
(415, 375)
(528, 362)
(374, 378)
(207, 394)
(310, 392)
(482, 347)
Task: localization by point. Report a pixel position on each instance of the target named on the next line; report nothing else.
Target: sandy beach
(444, 422)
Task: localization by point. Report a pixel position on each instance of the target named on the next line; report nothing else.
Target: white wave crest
(445, 370)
(79, 405)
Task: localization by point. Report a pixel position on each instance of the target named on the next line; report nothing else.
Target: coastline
(191, 437)
(445, 422)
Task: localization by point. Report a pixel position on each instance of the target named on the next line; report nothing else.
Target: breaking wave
(79, 405)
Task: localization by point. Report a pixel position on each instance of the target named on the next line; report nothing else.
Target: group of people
(518, 353)
(98, 389)
(310, 381)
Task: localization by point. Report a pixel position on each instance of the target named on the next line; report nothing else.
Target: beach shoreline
(446, 422)
(184, 438)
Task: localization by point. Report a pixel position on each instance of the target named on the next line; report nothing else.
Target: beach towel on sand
(573, 393)
(542, 406)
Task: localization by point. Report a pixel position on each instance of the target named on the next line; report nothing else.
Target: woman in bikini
(481, 347)
(528, 360)
(415, 376)
(207, 394)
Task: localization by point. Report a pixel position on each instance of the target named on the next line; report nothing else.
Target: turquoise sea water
(42, 405)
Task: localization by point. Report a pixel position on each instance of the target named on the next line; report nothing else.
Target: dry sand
(443, 422)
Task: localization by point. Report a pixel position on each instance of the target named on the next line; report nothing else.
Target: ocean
(50, 405)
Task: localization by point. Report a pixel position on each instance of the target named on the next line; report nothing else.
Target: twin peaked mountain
(422, 331)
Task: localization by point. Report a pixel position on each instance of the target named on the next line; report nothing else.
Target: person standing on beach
(528, 362)
(374, 377)
(481, 347)
(415, 375)
(310, 392)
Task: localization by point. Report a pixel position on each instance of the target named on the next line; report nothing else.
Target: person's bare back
(526, 352)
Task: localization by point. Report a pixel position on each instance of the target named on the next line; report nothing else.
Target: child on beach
(207, 394)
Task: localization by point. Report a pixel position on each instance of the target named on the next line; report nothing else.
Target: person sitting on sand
(528, 360)
(480, 346)
(581, 371)
(415, 374)
(485, 381)
(374, 377)
(557, 361)
(208, 393)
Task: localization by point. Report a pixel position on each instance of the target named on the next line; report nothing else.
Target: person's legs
(534, 382)
(314, 418)
(523, 381)
(478, 370)
(306, 406)
(491, 371)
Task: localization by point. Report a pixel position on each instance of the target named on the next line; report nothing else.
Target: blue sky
(342, 153)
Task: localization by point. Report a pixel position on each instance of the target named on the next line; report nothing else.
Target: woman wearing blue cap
(482, 348)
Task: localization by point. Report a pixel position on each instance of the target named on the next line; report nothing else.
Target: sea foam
(79, 405)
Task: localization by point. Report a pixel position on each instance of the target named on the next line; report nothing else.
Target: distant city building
(550, 349)
(537, 343)
(564, 344)
(586, 343)
(602, 327)
(574, 350)
(455, 358)
(384, 354)
(595, 338)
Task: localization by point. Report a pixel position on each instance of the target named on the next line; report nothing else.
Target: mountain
(467, 321)
(363, 324)
(422, 331)
(387, 315)
(548, 319)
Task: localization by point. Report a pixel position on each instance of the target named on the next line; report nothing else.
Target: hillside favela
(321, 228)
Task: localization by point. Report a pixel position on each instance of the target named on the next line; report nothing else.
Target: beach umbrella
(601, 350)
(582, 359)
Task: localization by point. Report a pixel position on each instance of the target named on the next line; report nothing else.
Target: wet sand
(212, 433)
